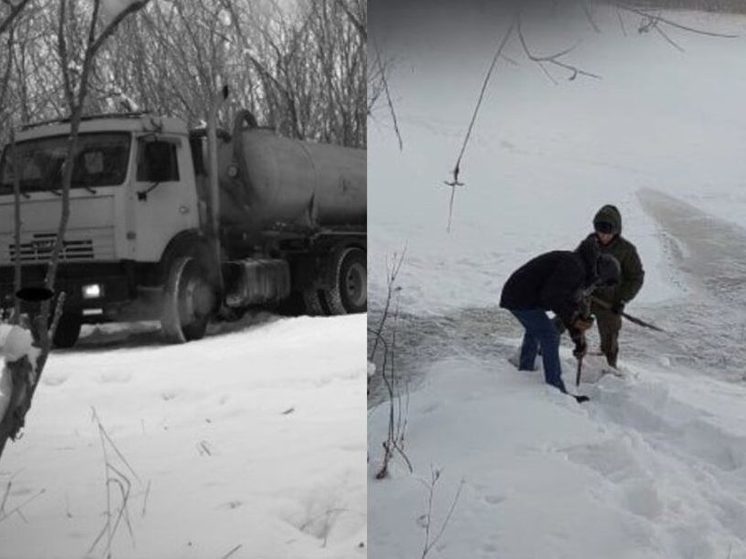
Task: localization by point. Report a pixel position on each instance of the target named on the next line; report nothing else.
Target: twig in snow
(114, 478)
(232, 551)
(145, 500)
(391, 288)
(104, 434)
(17, 509)
(397, 415)
(428, 517)
(5, 498)
(392, 442)
(203, 448)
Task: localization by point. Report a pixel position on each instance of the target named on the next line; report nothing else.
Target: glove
(617, 307)
(582, 324)
(581, 346)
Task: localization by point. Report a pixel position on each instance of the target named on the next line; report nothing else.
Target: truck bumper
(100, 292)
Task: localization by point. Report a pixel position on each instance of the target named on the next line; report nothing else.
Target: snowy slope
(252, 439)
(655, 465)
(650, 469)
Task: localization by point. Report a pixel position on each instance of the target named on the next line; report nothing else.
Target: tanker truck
(167, 225)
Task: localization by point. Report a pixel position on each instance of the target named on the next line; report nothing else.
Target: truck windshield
(100, 160)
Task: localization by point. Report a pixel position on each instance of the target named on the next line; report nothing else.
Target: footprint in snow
(494, 499)
(116, 377)
(54, 380)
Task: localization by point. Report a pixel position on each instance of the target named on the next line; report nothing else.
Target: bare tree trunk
(17, 228)
(26, 375)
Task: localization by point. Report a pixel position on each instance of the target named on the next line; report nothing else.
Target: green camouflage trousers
(609, 325)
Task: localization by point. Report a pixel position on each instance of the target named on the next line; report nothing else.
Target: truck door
(164, 198)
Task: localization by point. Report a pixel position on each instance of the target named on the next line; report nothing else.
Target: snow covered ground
(249, 443)
(655, 465)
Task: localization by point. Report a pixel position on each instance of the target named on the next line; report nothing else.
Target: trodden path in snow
(676, 459)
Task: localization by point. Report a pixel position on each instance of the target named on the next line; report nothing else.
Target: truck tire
(68, 330)
(314, 302)
(349, 290)
(188, 301)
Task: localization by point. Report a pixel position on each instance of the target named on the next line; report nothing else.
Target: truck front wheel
(314, 301)
(349, 291)
(68, 330)
(189, 301)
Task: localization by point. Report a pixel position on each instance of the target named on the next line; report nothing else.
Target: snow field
(253, 438)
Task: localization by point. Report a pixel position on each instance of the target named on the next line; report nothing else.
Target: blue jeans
(540, 331)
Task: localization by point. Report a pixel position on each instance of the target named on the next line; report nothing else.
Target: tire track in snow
(708, 330)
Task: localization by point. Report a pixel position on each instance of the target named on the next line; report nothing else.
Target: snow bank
(646, 469)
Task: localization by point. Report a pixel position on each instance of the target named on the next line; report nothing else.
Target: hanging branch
(386, 91)
(457, 168)
(589, 16)
(621, 21)
(658, 18)
(667, 38)
(553, 59)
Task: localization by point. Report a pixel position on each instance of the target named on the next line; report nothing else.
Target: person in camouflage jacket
(607, 225)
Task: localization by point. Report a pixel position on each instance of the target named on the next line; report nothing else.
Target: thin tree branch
(356, 23)
(64, 57)
(589, 16)
(621, 21)
(672, 23)
(387, 93)
(667, 38)
(111, 27)
(553, 58)
(15, 11)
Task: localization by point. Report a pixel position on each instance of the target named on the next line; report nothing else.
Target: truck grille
(98, 246)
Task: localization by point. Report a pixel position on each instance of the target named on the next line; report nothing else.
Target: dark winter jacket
(553, 281)
(625, 252)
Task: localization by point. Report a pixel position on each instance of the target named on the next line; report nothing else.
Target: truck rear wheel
(349, 291)
(68, 330)
(189, 301)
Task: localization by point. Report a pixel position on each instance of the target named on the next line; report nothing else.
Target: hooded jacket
(553, 281)
(632, 273)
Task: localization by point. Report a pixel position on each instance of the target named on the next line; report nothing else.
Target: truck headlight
(93, 291)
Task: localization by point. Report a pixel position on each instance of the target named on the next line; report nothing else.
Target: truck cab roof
(126, 122)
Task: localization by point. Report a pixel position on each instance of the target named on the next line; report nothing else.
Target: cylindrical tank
(271, 182)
